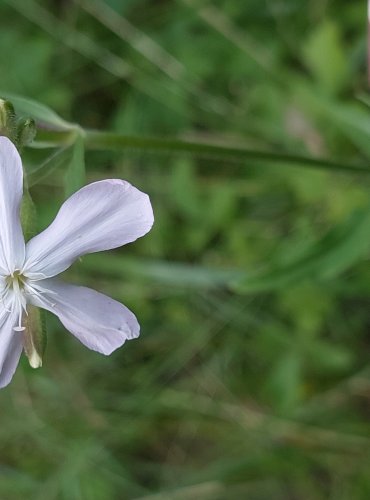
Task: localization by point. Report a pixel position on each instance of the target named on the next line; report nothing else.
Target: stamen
(39, 291)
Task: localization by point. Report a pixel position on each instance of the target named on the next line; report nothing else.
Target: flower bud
(26, 132)
(7, 119)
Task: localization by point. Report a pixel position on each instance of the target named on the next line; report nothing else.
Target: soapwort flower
(101, 216)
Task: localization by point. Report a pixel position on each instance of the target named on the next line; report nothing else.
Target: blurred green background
(251, 378)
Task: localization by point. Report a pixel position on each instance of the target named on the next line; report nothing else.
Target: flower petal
(11, 346)
(12, 247)
(103, 215)
(99, 322)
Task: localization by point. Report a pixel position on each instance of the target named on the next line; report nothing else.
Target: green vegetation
(248, 124)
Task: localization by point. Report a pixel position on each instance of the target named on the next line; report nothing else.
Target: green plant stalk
(96, 140)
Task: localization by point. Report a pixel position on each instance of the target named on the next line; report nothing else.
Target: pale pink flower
(100, 216)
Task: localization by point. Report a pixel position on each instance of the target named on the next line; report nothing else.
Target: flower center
(18, 290)
(14, 297)
(15, 281)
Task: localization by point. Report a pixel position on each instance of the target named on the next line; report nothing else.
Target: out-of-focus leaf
(330, 358)
(325, 56)
(170, 273)
(336, 251)
(350, 118)
(184, 189)
(284, 381)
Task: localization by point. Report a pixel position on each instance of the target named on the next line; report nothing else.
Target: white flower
(100, 216)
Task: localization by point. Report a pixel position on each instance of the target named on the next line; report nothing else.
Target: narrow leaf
(162, 272)
(340, 248)
(38, 111)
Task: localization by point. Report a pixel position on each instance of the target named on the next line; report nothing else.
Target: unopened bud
(26, 132)
(7, 119)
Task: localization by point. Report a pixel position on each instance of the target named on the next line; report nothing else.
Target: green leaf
(75, 176)
(284, 382)
(348, 117)
(162, 272)
(330, 358)
(352, 120)
(340, 248)
(324, 55)
(34, 109)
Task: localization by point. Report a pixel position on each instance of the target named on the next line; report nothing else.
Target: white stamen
(38, 291)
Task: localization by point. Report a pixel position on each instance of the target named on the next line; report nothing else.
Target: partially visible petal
(2, 288)
(103, 215)
(12, 247)
(99, 322)
(11, 346)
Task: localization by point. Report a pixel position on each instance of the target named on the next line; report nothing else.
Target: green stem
(96, 140)
(112, 141)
